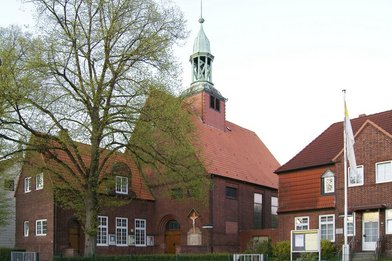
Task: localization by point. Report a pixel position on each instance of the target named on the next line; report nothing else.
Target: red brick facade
(301, 191)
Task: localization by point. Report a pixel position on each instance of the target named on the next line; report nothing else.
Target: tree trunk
(90, 230)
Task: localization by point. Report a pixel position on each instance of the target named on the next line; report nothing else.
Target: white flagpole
(346, 247)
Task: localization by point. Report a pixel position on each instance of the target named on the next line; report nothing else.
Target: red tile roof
(237, 153)
(138, 184)
(323, 149)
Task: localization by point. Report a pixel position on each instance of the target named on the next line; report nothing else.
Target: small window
(121, 231)
(27, 184)
(41, 227)
(351, 224)
(388, 221)
(140, 232)
(383, 171)
(121, 185)
(274, 212)
(39, 181)
(214, 103)
(328, 182)
(327, 227)
(26, 228)
(9, 184)
(231, 193)
(301, 223)
(172, 225)
(355, 177)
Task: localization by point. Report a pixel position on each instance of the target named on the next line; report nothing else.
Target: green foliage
(308, 256)
(5, 253)
(263, 247)
(182, 257)
(281, 250)
(328, 249)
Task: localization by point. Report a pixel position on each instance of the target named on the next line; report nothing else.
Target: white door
(369, 231)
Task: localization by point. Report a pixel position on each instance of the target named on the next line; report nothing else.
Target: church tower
(208, 101)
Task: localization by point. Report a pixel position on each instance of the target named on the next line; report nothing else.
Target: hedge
(209, 257)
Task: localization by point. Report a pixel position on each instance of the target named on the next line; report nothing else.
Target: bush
(309, 256)
(281, 250)
(328, 250)
(263, 247)
(182, 257)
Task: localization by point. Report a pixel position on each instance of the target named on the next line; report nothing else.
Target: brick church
(241, 207)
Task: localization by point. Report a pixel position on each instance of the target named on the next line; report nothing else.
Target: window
(26, 228)
(39, 181)
(383, 171)
(231, 193)
(327, 227)
(27, 184)
(301, 223)
(121, 231)
(351, 224)
(257, 210)
(214, 103)
(355, 177)
(328, 182)
(41, 227)
(9, 184)
(274, 212)
(388, 221)
(140, 232)
(172, 225)
(102, 235)
(121, 185)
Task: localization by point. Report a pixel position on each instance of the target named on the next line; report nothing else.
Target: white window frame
(328, 175)
(26, 228)
(39, 181)
(121, 230)
(301, 225)
(353, 222)
(27, 184)
(327, 223)
(360, 171)
(376, 171)
(41, 227)
(103, 230)
(388, 217)
(121, 185)
(140, 232)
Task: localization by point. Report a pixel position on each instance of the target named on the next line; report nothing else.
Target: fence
(24, 256)
(248, 257)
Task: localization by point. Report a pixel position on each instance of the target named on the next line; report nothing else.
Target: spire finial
(201, 19)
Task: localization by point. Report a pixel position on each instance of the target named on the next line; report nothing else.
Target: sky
(282, 64)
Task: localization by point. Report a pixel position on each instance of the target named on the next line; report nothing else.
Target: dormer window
(214, 103)
(328, 182)
(121, 185)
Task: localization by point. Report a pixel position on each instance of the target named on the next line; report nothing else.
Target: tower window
(214, 103)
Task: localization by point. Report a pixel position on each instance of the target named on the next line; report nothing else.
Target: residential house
(311, 186)
(9, 175)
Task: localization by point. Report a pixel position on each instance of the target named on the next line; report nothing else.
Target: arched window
(172, 225)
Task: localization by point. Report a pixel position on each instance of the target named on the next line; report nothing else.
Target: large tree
(86, 77)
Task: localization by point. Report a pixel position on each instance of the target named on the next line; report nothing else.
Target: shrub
(328, 250)
(309, 256)
(263, 247)
(281, 250)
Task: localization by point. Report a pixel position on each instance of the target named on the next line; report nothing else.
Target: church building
(241, 207)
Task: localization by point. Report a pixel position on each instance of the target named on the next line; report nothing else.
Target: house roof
(323, 149)
(236, 153)
(137, 182)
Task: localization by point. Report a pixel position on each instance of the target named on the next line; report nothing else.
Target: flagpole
(345, 249)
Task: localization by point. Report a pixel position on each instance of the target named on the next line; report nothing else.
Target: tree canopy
(86, 78)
